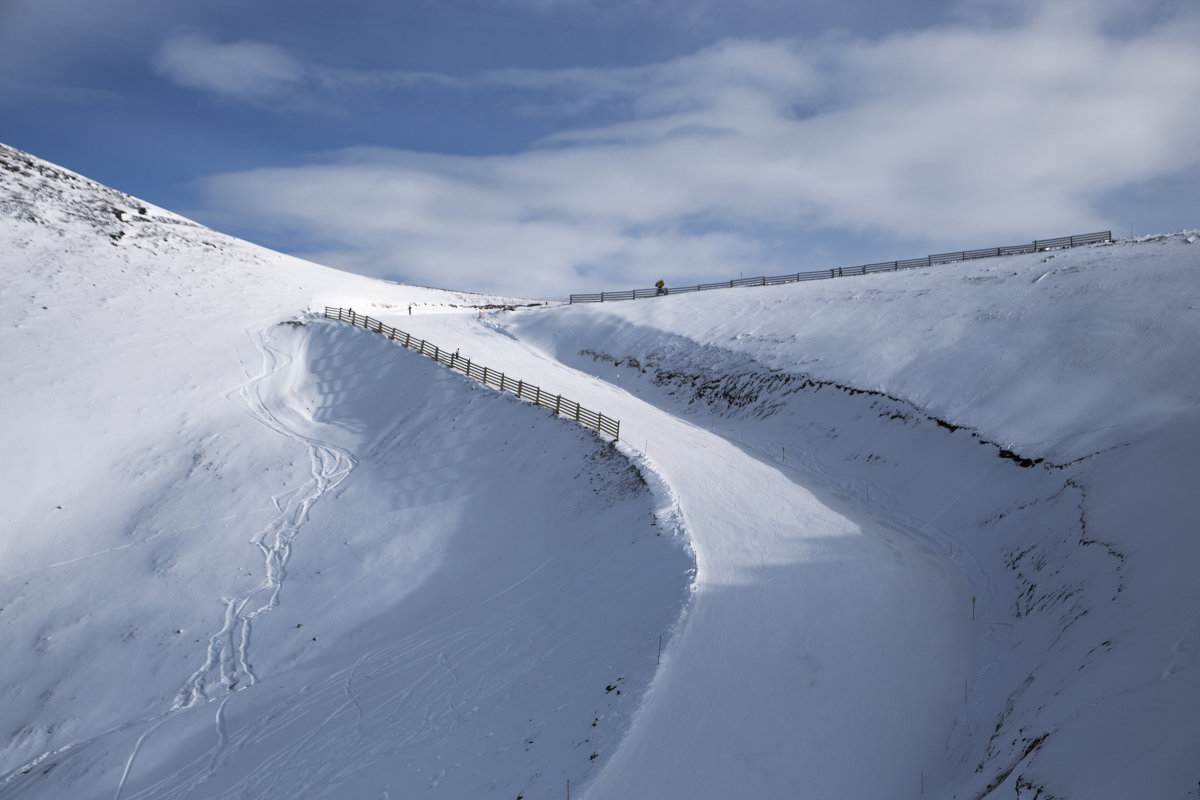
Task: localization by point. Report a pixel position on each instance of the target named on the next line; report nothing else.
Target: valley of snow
(927, 533)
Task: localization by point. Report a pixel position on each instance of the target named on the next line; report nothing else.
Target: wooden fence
(866, 269)
(561, 406)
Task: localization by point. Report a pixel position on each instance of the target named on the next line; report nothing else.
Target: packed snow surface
(916, 534)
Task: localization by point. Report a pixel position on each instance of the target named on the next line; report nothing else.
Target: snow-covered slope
(248, 552)
(941, 524)
(1035, 420)
(966, 570)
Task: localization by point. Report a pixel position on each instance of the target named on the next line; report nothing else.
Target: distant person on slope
(662, 288)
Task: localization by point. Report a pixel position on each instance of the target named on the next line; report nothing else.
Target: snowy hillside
(1034, 421)
(917, 534)
(239, 542)
(1003, 602)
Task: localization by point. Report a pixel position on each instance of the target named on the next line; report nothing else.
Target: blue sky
(544, 146)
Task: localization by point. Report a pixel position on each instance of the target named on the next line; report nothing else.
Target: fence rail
(866, 269)
(606, 426)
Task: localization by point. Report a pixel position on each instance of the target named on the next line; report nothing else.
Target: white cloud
(967, 135)
(247, 71)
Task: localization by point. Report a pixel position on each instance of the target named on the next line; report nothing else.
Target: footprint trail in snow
(227, 666)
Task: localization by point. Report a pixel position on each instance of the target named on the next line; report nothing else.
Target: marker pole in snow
(972, 609)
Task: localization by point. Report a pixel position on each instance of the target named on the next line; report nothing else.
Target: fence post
(602, 297)
(520, 388)
(557, 404)
(485, 372)
(537, 397)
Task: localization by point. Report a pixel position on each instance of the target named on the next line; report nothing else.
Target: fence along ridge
(841, 272)
(561, 406)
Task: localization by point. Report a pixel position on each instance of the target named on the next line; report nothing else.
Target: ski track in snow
(227, 665)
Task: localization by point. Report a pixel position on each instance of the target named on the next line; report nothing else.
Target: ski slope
(923, 534)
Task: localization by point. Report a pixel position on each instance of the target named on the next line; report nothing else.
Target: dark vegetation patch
(1031, 745)
(762, 392)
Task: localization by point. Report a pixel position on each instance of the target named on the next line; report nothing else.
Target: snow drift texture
(922, 534)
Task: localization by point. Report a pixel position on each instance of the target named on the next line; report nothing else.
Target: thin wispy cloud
(261, 73)
(968, 133)
(248, 71)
